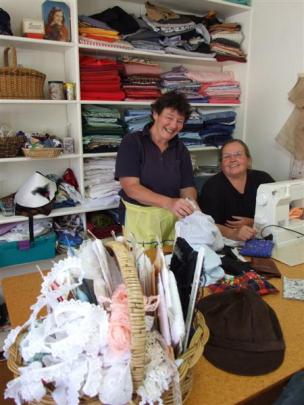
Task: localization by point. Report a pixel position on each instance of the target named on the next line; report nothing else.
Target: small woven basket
(42, 152)
(19, 82)
(10, 146)
(126, 263)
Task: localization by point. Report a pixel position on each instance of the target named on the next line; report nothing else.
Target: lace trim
(160, 371)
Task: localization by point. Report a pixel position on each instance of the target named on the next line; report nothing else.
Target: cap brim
(243, 362)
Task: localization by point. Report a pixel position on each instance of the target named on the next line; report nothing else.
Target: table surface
(213, 386)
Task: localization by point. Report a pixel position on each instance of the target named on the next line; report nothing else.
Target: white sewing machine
(273, 203)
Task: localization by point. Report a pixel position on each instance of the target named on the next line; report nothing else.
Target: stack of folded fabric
(102, 129)
(226, 40)
(136, 119)
(141, 79)
(221, 92)
(178, 80)
(181, 34)
(98, 33)
(216, 87)
(101, 189)
(218, 126)
(117, 19)
(190, 134)
(211, 128)
(100, 79)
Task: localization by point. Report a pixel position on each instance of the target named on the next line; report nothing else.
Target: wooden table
(213, 386)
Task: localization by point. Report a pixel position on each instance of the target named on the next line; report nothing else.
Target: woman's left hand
(238, 222)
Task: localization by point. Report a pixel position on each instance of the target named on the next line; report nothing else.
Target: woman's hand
(242, 233)
(239, 222)
(180, 207)
(245, 232)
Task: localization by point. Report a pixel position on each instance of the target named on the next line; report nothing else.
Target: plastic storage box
(43, 247)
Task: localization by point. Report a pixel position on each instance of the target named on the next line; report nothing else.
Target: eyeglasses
(235, 155)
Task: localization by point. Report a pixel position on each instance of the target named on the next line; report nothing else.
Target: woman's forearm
(242, 234)
(178, 206)
(146, 196)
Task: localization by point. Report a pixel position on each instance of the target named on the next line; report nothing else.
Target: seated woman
(229, 196)
(155, 172)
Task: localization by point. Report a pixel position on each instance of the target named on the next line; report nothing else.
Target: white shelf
(126, 103)
(32, 43)
(27, 159)
(149, 54)
(201, 148)
(101, 154)
(38, 101)
(79, 209)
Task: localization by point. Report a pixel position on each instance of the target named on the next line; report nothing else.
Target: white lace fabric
(160, 372)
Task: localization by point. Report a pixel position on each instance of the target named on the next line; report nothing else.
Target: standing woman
(155, 172)
(229, 196)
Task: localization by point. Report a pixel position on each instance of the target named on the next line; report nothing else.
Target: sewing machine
(273, 203)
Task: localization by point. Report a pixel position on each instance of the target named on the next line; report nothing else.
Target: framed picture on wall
(57, 21)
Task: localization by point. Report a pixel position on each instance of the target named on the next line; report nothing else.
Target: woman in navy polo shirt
(155, 172)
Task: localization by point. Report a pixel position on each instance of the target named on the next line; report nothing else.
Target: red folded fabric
(99, 87)
(100, 83)
(91, 61)
(101, 95)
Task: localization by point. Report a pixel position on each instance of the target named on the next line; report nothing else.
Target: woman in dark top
(155, 172)
(229, 196)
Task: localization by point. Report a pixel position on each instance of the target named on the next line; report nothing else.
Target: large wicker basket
(19, 82)
(126, 263)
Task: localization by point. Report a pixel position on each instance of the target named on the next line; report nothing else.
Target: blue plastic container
(43, 247)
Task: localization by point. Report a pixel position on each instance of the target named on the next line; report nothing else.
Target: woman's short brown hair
(239, 141)
(176, 101)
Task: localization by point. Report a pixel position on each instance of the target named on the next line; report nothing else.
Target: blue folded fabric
(257, 248)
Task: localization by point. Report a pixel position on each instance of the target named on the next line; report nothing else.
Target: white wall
(277, 54)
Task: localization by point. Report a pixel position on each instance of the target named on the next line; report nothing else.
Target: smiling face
(166, 125)
(58, 17)
(235, 161)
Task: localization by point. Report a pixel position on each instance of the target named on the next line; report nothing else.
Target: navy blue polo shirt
(164, 173)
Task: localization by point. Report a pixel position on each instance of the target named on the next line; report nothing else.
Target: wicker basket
(126, 263)
(10, 146)
(42, 152)
(19, 82)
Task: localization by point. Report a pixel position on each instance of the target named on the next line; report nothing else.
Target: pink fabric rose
(119, 334)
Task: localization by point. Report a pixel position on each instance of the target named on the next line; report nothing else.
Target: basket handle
(13, 56)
